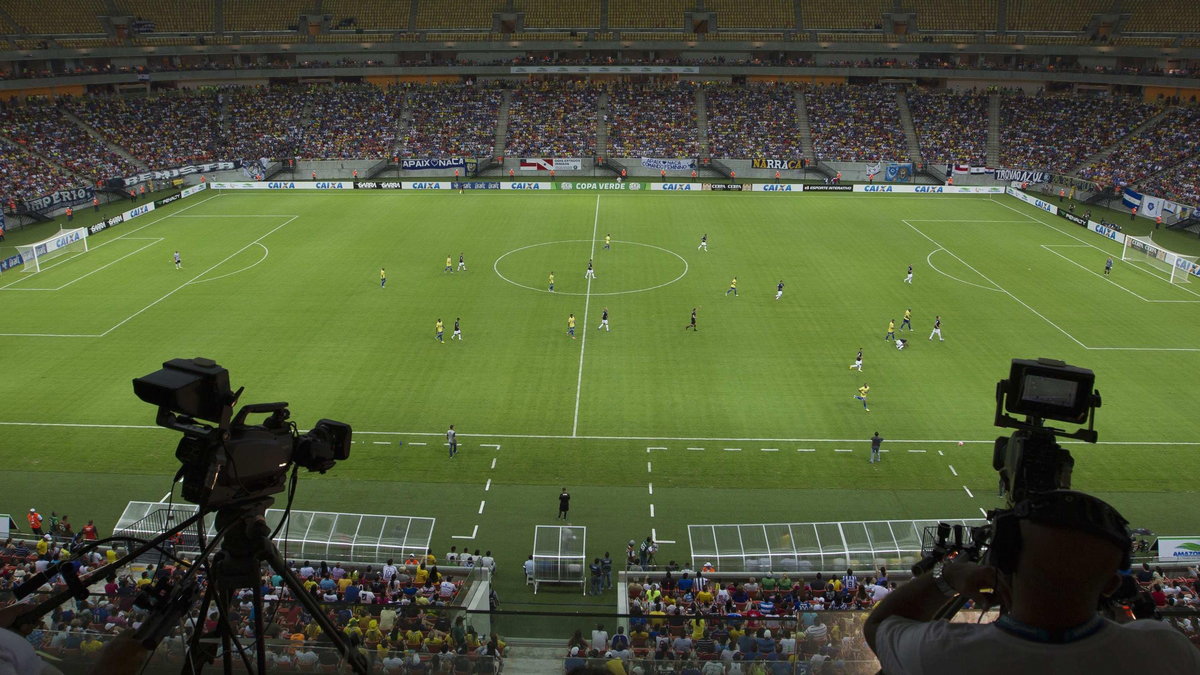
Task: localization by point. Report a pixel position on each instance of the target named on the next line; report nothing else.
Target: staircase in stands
(993, 137)
(806, 143)
(702, 122)
(910, 130)
(502, 124)
(1109, 149)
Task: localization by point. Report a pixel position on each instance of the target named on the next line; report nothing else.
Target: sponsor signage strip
(605, 69)
(420, 164)
(167, 174)
(598, 185)
(550, 164)
(1175, 549)
(282, 185)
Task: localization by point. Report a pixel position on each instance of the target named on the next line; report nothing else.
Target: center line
(587, 301)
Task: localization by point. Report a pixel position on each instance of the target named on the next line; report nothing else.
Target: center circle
(628, 263)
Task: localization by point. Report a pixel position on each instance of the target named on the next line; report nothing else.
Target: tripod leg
(357, 662)
(260, 645)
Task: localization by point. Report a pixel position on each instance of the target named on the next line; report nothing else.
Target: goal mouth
(64, 242)
(1173, 267)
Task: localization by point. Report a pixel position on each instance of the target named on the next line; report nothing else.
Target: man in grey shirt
(876, 441)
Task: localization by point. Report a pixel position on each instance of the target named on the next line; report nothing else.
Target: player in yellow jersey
(862, 395)
(382, 277)
(440, 330)
(552, 282)
(891, 334)
(732, 287)
(608, 241)
(571, 326)
(448, 267)
(907, 320)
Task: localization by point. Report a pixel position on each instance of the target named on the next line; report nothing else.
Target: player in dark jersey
(779, 290)
(937, 329)
(604, 321)
(693, 324)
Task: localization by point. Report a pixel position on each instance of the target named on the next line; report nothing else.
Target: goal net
(65, 242)
(1173, 267)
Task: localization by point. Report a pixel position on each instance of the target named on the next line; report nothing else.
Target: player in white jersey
(857, 365)
(604, 321)
(908, 278)
(937, 329)
(703, 243)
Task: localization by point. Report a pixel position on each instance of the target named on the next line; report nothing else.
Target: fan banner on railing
(551, 164)
(60, 199)
(668, 164)
(898, 173)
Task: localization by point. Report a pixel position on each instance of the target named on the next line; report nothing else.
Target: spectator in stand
(952, 127)
(552, 120)
(652, 121)
(350, 121)
(1052, 132)
(745, 122)
(165, 130)
(451, 121)
(856, 123)
(44, 129)
(1180, 184)
(1143, 154)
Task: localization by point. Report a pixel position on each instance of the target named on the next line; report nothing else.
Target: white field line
(929, 261)
(490, 445)
(695, 448)
(1001, 288)
(842, 450)
(655, 447)
(416, 443)
(185, 284)
(152, 240)
(481, 503)
(983, 512)
(1084, 242)
(952, 469)
(651, 510)
(266, 253)
(914, 441)
(493, 462)
(488, 486)
(1108, 278)
(969, 492)
(654, 536)
(474, 531)
(916, 451)
(651, 486)
(587, 302)
(648, 468)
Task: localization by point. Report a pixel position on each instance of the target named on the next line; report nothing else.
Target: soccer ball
(960, 442)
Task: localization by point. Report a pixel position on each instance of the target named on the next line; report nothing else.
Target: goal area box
(811, 547)
(559, 556)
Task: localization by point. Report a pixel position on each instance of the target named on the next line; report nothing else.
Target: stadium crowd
(1169, 142)
(1055, 132)
(43, 129)
(752, 122)
(350, 120)
(451, 121)
(951, 127)
(855, 123)
(1181, 184)
(652, 121)
(398, 615)
(23, 174)
(163, 131)
(263, 122)
(552, 120)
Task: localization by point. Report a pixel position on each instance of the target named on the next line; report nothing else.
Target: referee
(452, 441)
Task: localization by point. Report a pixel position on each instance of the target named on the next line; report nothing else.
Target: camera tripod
(244, 535)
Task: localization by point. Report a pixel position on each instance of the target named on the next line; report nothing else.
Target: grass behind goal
(750, 419)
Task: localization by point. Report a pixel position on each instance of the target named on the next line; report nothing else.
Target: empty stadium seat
(840, 14)
(255, 15)
(556, 14)
(939, 15)
(57, 17)
(642, 14)
(368, 14)
(1161, 15)
(1064, 15)
(777, 14)
(169, 16)
(457, 14)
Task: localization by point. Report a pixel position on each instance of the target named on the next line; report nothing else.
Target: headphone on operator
(1061, 508)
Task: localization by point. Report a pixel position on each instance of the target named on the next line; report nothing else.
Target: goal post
(65, 242)
(1174, 267)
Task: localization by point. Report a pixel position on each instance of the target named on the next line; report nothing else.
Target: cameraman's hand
(982, 584)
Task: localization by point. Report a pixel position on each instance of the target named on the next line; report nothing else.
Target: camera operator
(1055, 555)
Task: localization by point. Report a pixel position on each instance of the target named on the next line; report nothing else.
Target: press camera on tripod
(1030, 461)
(229, 468)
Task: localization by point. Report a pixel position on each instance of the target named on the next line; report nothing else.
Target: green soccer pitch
(651, 427)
